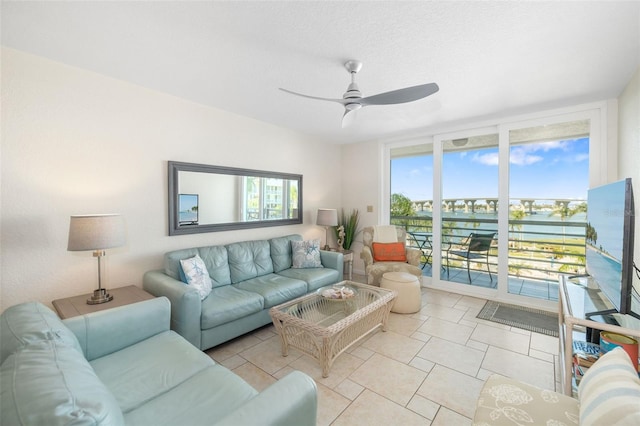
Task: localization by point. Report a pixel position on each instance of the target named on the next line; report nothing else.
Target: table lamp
(327, 218)
(96, 232)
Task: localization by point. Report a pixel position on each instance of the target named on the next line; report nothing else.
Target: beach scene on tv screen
(605, 236)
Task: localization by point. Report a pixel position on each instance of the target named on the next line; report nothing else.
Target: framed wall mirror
(205, 198)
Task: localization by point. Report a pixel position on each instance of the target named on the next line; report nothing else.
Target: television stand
(580, 309)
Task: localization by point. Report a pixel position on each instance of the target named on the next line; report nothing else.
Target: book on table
(584, 355)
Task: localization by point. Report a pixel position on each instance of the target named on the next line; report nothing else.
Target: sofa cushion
(197, 275)
(315, 277)
(51, 383)
(203, 399)
(214, 257)
(306, 254)
(143, 371)
(172, 261)
(274, 288)
(216, 260)
(228, 303)
(281, 251)
(32, 322)
(508, 402)
(609, 392)
(249, 259)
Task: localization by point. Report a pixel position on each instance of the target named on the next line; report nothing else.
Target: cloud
(489, 159)
(532, 153)
(579, 158)
(523, 157)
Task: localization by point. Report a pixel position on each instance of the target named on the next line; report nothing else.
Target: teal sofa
(124, 366)
(248, 279)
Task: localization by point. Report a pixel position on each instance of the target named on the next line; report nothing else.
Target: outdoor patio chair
(475, 247)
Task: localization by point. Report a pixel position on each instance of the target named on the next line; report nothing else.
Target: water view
(548, 182)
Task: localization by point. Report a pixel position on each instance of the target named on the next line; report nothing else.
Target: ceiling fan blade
(348, 118)
(340, 101)
(400, 96)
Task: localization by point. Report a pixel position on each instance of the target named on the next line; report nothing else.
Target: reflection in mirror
(206, 198)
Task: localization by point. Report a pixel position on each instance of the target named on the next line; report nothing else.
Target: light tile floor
(426, 369)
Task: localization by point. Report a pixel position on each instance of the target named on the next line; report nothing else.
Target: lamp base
(99, 296)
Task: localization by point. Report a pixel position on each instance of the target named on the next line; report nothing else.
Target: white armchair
(374, 269)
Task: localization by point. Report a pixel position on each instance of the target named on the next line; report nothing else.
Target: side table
(576, 299)
(77, 305)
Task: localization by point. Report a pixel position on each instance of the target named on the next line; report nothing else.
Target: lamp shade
(327, 217)
(95, 232)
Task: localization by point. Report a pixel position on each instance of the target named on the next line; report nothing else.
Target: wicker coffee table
(324, 328)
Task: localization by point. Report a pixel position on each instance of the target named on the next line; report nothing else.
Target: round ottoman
(408, 287)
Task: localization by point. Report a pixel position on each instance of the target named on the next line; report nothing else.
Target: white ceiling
(489, 58)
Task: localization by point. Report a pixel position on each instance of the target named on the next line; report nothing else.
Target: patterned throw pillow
(197, 275)
(389, 252)
(306, 254)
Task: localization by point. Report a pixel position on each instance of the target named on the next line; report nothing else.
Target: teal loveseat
(124, 366)
(248, 279)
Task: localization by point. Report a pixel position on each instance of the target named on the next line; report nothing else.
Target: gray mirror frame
(174, 167)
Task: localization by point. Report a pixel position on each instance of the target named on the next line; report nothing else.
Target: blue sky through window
(545, 170)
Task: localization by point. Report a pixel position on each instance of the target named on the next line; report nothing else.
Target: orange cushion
(385, 252)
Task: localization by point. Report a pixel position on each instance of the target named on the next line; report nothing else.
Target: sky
(542, 171)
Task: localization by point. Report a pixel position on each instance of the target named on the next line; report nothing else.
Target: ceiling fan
(353, 100)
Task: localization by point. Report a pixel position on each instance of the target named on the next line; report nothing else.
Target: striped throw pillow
(609, 392)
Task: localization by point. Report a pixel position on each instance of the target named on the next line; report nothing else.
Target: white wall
(76, 142)
(629, 151)
(362, 188)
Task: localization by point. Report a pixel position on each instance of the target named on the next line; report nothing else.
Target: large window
(470, 210)
(548, 182)
(500, 209)
(411, 203)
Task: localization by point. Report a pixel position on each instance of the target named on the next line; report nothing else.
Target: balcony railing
(538, 249)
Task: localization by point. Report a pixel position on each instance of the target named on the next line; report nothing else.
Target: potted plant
(347, 224)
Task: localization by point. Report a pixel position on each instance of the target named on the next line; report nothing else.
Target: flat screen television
(609, 242)
(187, 209)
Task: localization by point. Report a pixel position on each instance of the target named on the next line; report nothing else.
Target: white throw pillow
(306, 254)
(197, 275)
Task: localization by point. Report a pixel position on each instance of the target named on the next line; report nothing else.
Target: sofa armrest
(366, 256)
(333, 260)
(104, 332)
(292, 400)
(186, 306)
(413, 256)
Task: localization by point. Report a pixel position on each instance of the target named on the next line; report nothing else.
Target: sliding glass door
(469, 210)
(500, 211)
(411, 203)
(548, 182)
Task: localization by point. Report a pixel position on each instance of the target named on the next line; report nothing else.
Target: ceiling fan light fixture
(352, 99)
